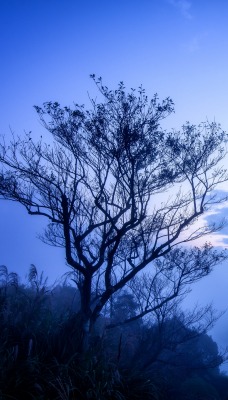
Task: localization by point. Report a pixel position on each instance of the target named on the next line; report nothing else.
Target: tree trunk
(85, 327)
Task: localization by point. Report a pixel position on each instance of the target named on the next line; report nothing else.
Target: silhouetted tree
(160, 340)
(119, 192)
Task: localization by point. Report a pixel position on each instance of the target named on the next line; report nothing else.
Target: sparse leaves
(119, 192)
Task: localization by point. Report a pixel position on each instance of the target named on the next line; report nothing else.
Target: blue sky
(176, 48)
(48, 49)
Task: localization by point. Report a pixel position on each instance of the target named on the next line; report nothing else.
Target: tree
(119, 192)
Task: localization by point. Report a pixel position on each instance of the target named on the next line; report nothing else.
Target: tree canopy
(120, 193)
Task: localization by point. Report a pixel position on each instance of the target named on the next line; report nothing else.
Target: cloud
(183, 6)
(217, 214)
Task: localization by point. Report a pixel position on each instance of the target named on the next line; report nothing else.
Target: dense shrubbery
(39, 356)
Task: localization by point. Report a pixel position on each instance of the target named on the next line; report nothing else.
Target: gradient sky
(48, 49)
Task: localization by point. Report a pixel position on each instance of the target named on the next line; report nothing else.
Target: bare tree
(119, 192)
(164, 287)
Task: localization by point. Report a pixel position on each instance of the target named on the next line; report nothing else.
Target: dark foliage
(119, 334)
(39, 358)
